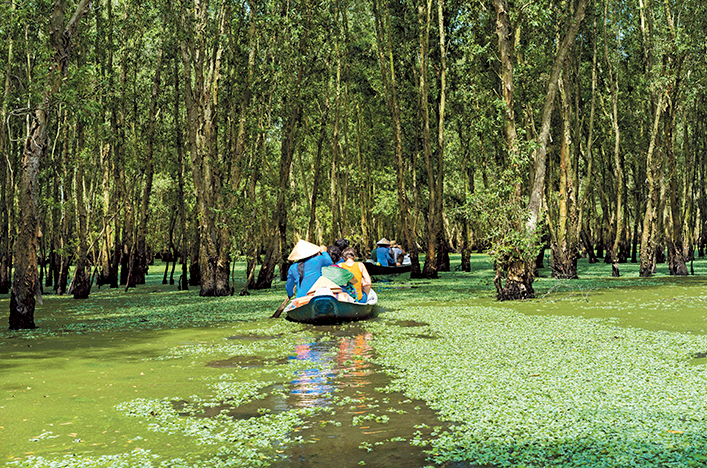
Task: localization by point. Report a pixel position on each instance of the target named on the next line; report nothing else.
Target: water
(59, 390)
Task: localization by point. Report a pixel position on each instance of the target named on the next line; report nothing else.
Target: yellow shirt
(356, 280)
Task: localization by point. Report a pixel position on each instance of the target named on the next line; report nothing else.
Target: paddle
(281, 308)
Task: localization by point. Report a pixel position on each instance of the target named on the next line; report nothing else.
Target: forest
(204, 131)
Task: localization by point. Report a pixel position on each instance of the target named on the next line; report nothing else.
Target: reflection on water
(345, 357)
(366, 426)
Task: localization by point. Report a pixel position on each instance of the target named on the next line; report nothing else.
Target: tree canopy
(202, 130)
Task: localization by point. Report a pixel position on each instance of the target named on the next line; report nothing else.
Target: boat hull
(327, 309)
(378, 270)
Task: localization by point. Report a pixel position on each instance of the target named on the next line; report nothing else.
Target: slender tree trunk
(441, 238)
(5, 177)
(364, 188)
(519, 273)
(535, 205)
(317, 170)
(429, 269)
(25, 285)
(201, 74)
(618, 163)
(388, 75)
(587, 193)
(140, 265)
(675, 234)
(564, 229)
(337, 153)
(183, 283)
(82, 279)
(650, 219)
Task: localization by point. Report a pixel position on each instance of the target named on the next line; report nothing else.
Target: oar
(281, 308)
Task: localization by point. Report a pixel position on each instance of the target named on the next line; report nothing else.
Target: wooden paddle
(281, 308)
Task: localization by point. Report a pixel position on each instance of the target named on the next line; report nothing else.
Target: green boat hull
(326, 309)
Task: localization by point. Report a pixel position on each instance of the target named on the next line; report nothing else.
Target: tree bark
(384, 43)
(25, 285)
(140, 264)
(650, 219)
(6, 183)
(619, 221)
(429, 270)
(82, 279)
(441, 238)
(564, 228)
(201, 74)
(535, 204)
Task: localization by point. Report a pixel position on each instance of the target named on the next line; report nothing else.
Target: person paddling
(309, 260)
(361, 280)
(383, 255)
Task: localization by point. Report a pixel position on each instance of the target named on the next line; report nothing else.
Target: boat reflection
(343, 362)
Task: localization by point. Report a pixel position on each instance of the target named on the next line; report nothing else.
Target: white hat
(383, 241)
(324, 282)
(303, 249)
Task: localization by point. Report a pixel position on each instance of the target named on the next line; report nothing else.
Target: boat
(379, 270)
(327, 309)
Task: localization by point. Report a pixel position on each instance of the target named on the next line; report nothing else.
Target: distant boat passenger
(397, 252)
(309, 260)
(383, 255)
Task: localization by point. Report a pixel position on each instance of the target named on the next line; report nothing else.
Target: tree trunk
(6, 183)
(388, 76)
(535, 204)
(82, 278)
(619, 182)
(25, 285)
(267, 269)
(183, 283)
(650, 219)
(140, 264)
(429, 270)
(564, 228)
(518, 284)
(336, 153)
(442, 246)
(201, 74)
(317, 171)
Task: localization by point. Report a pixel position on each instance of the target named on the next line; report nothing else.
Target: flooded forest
(542, 164)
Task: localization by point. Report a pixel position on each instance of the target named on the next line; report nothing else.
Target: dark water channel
(371, 428)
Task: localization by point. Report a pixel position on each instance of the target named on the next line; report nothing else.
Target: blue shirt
(312, 272)
(384, 257)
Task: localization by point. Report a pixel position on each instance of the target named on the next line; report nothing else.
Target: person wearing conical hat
(385, 258)
(309, 259)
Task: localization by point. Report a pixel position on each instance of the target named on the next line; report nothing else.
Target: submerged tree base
(516, 291)
(519, 282)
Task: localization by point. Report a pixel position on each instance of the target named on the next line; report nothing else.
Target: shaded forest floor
(598, 371)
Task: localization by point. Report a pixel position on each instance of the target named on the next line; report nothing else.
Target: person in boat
(341, 243)
(336, 249)
(309, 259)
(335, 253)
(383, 255)
(361, 280)
(397, 252)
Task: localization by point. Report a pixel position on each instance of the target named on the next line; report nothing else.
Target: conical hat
(324, 282)
(303, 249)
(383, 241)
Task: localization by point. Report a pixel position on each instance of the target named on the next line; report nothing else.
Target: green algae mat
(596, 372)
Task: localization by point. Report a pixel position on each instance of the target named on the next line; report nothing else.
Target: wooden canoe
(378, 270)
(327, 309)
